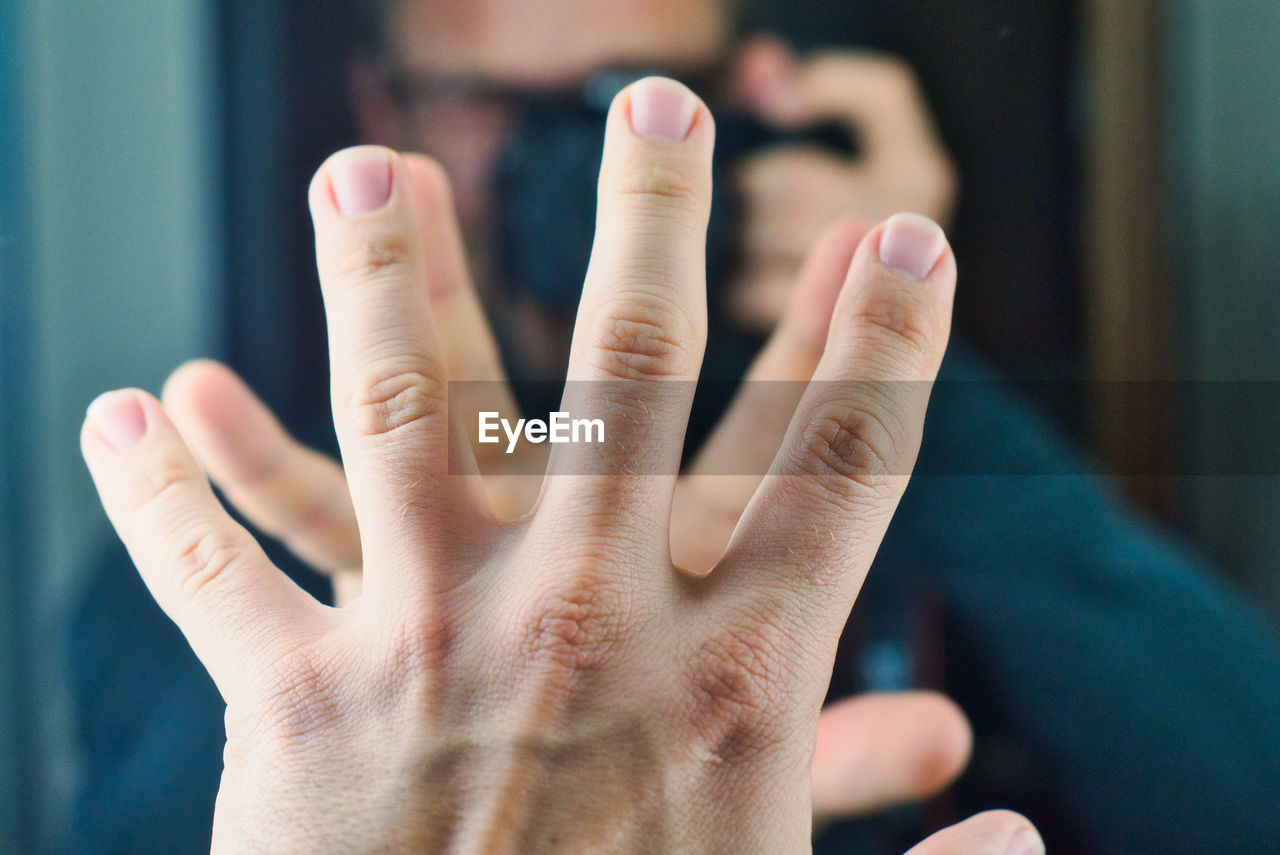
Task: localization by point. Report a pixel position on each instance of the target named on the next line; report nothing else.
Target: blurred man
(455, 78)
(1102, 670)
(449, 77)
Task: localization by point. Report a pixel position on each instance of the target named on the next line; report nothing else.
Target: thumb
(879, 750)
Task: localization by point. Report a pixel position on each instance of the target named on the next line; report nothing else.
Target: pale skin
(872, 752)
(553, 682)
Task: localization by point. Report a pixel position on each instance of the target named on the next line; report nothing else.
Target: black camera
(547, 200)
(547, 188)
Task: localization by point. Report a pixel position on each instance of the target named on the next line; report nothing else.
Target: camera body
(547, 188)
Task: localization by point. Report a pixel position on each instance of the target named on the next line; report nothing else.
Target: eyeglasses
(412, 91)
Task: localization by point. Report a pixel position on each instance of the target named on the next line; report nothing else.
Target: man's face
(456, 56)
(552, 42)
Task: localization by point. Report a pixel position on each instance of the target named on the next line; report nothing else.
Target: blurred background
(1118, 222)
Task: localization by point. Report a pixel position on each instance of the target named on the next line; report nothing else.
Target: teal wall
(17, 765)
(118, 214)
(1223, 125)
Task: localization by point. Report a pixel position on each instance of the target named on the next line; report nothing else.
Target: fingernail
(1025, 842)
(361, 179)
(911, 245)
(662, 109)
(118, 419)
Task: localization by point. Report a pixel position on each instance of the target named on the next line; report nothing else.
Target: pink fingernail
(119, 420)
(361, 179)
(911, 245)
(662, 109)
(1025, 842)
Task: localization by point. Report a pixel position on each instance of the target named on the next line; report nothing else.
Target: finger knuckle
(738, 667)
(643, 336)
(661, 187)
(895, 325)
(375, 255)
(572, 623)
(854, 441)
(735, 676)
(157, 487)
(389, 399)
(202, 558)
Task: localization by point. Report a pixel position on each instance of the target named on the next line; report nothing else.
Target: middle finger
(641, 327)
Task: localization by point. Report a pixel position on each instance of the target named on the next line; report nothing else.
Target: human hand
(409, 720)
(872, 752)
(792, 192)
